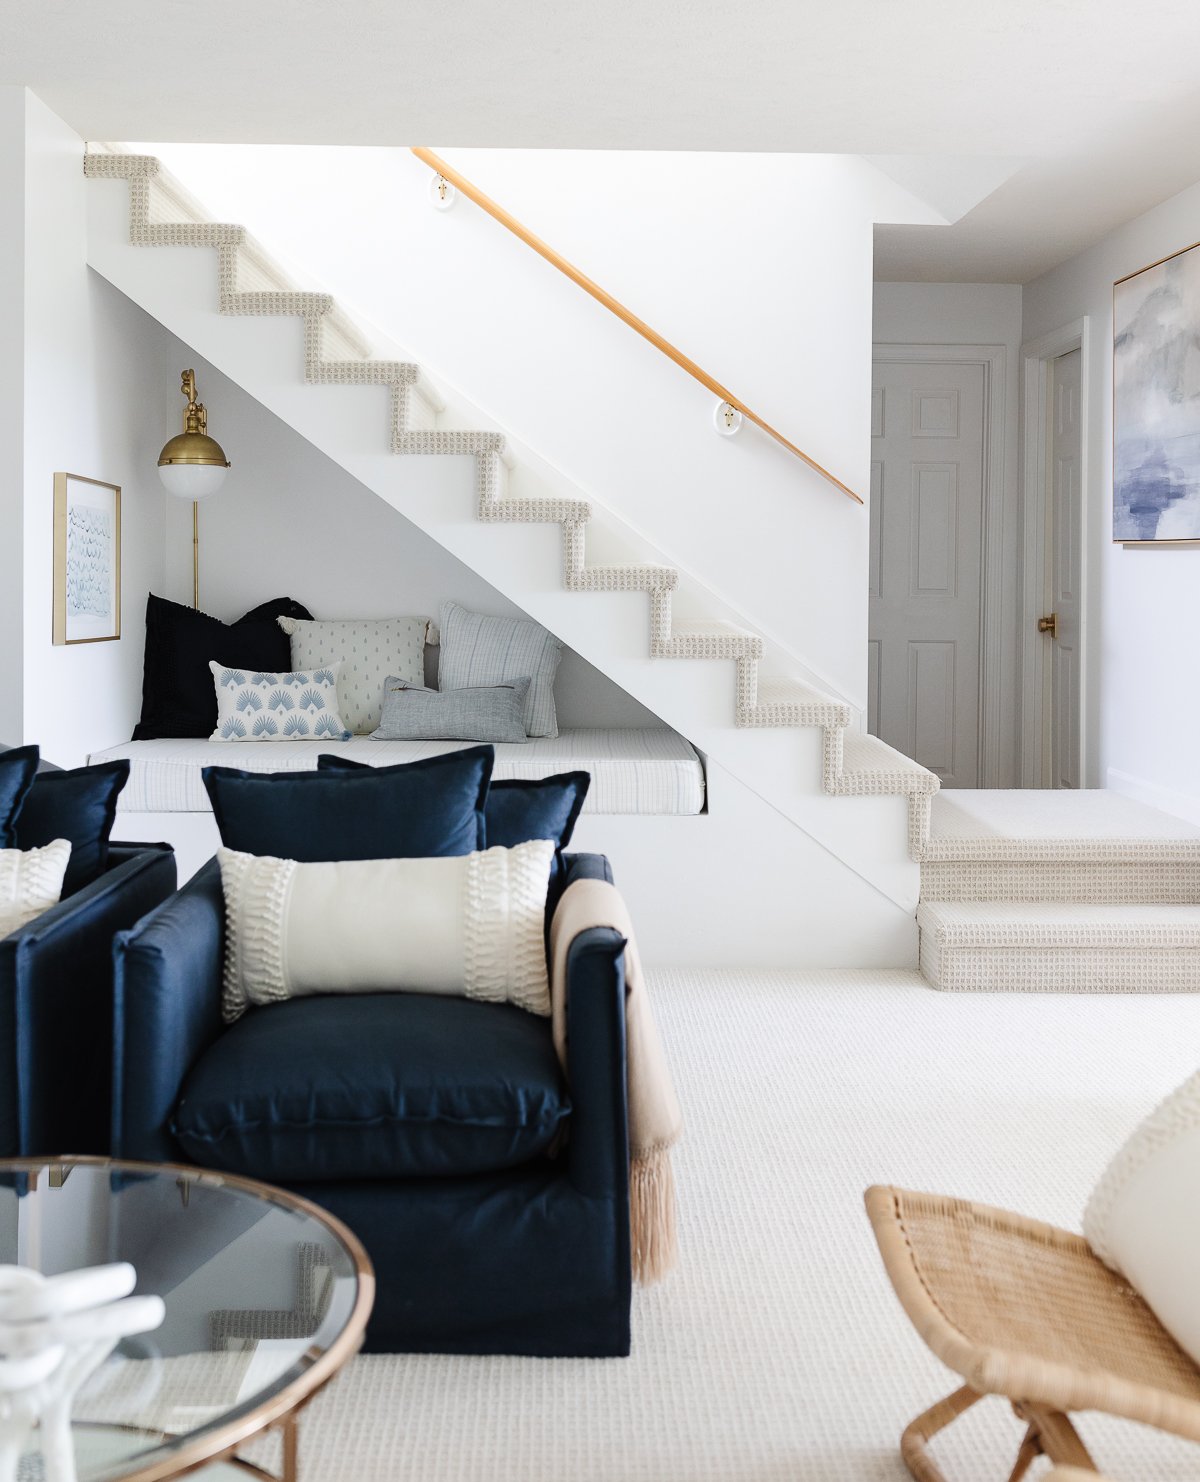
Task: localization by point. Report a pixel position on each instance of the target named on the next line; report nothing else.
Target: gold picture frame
(87, 560)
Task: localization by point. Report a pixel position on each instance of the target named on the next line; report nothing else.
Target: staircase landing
(1040, 891)
(998, 824)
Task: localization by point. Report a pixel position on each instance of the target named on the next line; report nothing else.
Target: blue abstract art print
(87, 560)
(1156, 401)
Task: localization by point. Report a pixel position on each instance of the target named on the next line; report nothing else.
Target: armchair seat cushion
(374, 1086)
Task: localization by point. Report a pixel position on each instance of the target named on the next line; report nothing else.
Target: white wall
(94, 404)
(12, 406)
(977, 314)
(1143, 608)
(758, 267)
(290, 522)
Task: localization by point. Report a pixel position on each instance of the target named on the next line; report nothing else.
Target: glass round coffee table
(266, 1299)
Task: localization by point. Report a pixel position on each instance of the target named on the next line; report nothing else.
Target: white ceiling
(1099, 99)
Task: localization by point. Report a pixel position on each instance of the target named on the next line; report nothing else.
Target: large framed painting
(1156, 401)
(87, 560)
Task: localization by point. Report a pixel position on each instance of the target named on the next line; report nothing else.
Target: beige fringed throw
(655, 1120)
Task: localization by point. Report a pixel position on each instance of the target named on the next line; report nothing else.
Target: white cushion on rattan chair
(1143, 1218)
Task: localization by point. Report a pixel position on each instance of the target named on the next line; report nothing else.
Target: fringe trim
(652, 1223)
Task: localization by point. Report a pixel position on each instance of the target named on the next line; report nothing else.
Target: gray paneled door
(1060, 707)
(927, 447)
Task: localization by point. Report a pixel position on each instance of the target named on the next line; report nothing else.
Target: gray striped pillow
(478, 651)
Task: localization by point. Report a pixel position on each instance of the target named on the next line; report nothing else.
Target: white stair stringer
(249, 284)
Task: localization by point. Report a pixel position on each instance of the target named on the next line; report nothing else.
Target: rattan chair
(1026, 1311)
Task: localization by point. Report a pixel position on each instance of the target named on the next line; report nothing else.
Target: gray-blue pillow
(488, 713)
(477, 649)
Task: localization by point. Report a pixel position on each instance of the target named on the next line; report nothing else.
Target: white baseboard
(1181, 804)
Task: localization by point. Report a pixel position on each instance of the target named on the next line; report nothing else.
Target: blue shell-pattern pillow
(301, 705)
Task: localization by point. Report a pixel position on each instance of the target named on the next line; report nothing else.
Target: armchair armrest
(56, 995)
(586, 867)
(598, 1151)
(166, 1012)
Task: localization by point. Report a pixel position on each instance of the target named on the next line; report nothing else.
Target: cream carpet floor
(777, 1351)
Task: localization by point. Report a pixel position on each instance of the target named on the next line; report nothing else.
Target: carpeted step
(1035, 947)
(710, 640)
(1090, 846)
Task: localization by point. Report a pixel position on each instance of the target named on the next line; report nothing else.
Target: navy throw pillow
(518, 811)
(426, 809)
(18, 768)
(515, 811)
(178, 695)
(79, 805)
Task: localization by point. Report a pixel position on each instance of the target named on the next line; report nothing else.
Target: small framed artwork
(87, 560)
(1156, 386)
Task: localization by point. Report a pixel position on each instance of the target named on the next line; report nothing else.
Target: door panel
(931, 704)
(1063, 565)
(927, 427)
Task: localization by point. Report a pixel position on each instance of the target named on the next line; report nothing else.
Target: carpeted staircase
(853, 764)
(1020, 891)
(1081, 892)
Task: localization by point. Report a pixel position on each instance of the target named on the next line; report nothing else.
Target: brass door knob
(1049, 625)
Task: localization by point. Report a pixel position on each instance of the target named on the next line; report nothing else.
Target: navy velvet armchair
(491, 1194)
(56, 995)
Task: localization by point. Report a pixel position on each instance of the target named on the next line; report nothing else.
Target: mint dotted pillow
(301, 705)
(369, 650)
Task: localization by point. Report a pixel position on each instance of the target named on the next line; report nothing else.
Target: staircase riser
(1152, 882)
(1143, 969)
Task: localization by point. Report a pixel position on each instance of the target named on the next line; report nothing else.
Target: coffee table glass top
(266, 1298)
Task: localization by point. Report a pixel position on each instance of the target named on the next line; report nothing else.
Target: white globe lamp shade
(192, 480)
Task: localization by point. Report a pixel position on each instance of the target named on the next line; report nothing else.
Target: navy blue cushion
(79, 805)
(417, 810)
(374, 1086)
(18, 767)
(178, 695)
(515, 811)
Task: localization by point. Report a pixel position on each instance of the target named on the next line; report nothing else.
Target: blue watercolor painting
(1156, 402)
(89, 561)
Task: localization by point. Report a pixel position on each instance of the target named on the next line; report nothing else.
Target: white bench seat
(646, 771)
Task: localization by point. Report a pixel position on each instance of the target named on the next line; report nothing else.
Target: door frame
(992, 361)
(1036, 358)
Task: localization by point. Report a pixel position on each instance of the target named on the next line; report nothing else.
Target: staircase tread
(864, 753)
(782, 690)
(712, 626)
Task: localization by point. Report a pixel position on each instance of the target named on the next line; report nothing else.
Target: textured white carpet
(777, 1350)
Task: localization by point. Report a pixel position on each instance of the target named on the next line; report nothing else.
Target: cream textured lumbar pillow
(1143, 1218)
(301, 705)
(369, 650)
(31, 881)
(471, 925)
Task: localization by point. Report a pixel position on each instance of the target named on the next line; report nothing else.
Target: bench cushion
(646, 770)
(374, 1086)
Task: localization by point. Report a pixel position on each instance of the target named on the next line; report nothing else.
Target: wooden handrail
(543, 249)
